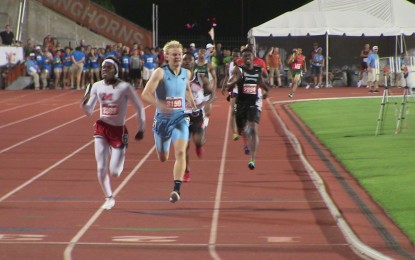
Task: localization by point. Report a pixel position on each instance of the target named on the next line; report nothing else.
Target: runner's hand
(139, 135)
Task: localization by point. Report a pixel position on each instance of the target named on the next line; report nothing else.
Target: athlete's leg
(101, 156)
(117, 161)
(233, 122)
(180, 155)
(253, 139)
(162, 147)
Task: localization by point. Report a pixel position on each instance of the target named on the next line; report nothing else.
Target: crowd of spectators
(64, 67)
(53, 66)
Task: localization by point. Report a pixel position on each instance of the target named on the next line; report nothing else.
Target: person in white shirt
(110, 131)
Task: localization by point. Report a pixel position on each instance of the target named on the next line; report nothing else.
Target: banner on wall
(11, 55)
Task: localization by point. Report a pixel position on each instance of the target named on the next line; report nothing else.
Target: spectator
(363, 65)
(160, 57)
(149, 63)
(372, 70)
(33, 69)
(125, 65)
(57, 69)
(78, 59)
(7, 36)
(49, 43)
(193, 50)
(28, 48)
(135, 66)
(220, 69)
(93, 59)
(67, 64)
(317, 65)
(45, 64)
(274, 64)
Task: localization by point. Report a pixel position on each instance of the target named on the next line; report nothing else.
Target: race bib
(110, 110)
(297, 66)
(249, 89)
(174, 102)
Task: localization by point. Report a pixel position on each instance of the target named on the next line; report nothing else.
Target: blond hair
(172, 44)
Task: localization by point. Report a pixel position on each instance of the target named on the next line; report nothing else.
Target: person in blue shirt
(373, 70)
(33, 69)
(93, 60)
(317, 64)
(125, 65)
(78, 59)
(149, 64)
(44, 61)
(168, 89)
(85, 70)
(57, 69)
(67, 64)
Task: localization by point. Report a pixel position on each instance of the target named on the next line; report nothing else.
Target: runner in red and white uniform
(298, 63)
(110, 132)
(197, 128)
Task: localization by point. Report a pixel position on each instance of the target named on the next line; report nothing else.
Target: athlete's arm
(141, 116)
(264, 85)
(236, 75)
(149, 91)
(189, 95)
(89, 106)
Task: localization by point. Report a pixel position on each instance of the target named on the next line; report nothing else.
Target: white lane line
(43, 172)
(67, 255)
(39, 135)
(5, 100)
(356, 244)
(216, 209)
(37, 115)
(52, 166)
(30, 104)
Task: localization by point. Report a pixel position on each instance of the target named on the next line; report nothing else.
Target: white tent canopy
(303, 23)
(387, 20)
(400, 13)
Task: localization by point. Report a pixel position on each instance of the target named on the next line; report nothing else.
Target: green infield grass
(383, 164)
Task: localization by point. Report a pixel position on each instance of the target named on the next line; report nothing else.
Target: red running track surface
(50, 199)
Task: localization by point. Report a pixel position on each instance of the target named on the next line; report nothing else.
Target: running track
(50, 199)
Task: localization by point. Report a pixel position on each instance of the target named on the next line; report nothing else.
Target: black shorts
(363, 66)
(196, 123)
(315, 70)
(246, 113)
(135, 73)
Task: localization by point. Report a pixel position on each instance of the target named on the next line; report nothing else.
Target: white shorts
(372, 76)
(147, 73)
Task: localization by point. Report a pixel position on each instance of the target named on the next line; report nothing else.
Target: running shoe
(174, 196)
(109, 203)
(291, 95)
(246, 149)
(251, 165)
(199, 151)
(186, 177)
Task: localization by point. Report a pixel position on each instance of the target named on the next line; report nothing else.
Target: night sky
(174, 15)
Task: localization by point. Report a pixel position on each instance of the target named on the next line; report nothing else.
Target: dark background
(233, 17)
